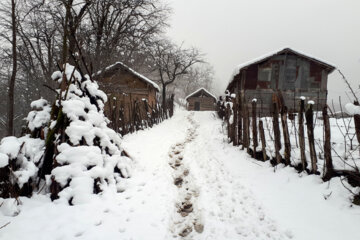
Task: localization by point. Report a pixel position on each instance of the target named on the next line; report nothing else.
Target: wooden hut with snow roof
(287, 73)
(201, 100)
(126, 90)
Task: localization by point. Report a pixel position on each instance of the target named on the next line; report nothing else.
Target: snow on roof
(200, 89)
(273, 53)
(142, 77)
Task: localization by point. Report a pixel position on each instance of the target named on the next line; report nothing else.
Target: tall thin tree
(10, 120)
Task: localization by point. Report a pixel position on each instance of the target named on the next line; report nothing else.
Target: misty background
(232, 32)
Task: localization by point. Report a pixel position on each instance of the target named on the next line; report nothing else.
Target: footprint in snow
(79, 234)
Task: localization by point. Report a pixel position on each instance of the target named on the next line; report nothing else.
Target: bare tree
(200, 75)
(12, 25)
(171, 62)
(120, 29)
(40, 39)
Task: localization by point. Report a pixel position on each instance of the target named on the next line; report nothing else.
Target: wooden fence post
(227, 118)
(246, 137)
(302, 135)
(357, 123)
(240, 125)
(254, 127)
(310, 131)
(234, 122)
(327, 146)
(247, 120)
(287, 144)
(276, 128)
(262, 138)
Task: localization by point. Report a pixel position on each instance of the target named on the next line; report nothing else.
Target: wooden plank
(327, 146)
(310, 131)
(276, 130)
(286, 135)
(254, 128)
(263, 141)
(302, 135)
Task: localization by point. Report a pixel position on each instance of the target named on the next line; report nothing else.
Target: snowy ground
(220, 193)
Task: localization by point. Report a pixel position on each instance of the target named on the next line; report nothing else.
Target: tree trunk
(310, 131)
(171, 105)
(66, 34)
(327, 146)
(10, 127)
(302, 135)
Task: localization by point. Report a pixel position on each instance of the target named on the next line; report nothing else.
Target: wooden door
(197, 106)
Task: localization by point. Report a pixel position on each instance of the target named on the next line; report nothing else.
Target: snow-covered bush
(88, 157)
(70, 146)
(38, 119)
(19, 160)
(21, 157)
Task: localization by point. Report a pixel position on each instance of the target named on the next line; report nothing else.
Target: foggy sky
(231, 32)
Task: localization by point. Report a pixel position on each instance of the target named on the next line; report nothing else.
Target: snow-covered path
(185, 170)
(189, 183)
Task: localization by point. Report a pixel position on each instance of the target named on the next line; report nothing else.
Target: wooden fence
(140, 115)
(245, 128)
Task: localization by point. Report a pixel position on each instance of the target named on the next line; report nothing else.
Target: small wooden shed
(201, 100)
(126, 90)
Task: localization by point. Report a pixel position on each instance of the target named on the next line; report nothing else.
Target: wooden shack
(287, 73)
(201, 100)
(127, 92)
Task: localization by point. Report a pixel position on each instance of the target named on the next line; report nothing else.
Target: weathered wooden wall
(292, 75)
(124, 90)
(206, 103)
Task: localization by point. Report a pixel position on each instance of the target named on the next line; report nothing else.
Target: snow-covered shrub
(39, 117)
(20, 157)
(88, 157)
(70, 146)
(19, 160)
